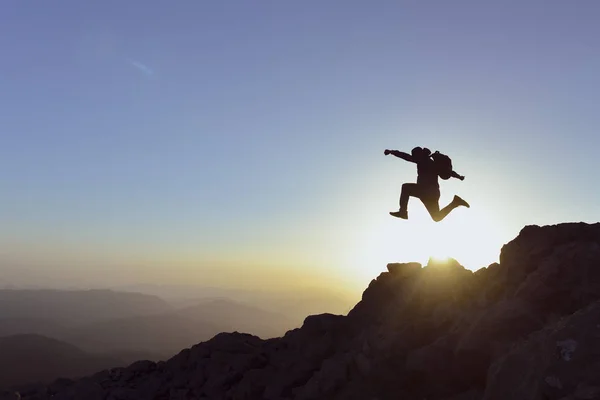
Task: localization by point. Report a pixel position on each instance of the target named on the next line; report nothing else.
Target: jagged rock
(567, 279)
(403, 270)
(363, 365)
(523, 254)
(511, 330)
(10, 395)
(504, 323)
(331, 376)
(318, 325)
(433, 363)
(87, 389)
(560, 362)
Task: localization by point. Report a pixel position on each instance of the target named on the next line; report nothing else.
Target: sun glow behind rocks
(439, 260)
(473, 237)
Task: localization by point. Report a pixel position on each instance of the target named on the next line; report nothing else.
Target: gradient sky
(241, 143)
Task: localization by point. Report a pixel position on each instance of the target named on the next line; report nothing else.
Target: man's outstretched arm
(457, 176)
(400, 154)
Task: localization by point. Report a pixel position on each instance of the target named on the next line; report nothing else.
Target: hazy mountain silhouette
(294, 304)
(126, 324)
(35, 358)
(163, 334)
(525, 328)
(234, 316)
(40, 326)
(167, 333)
(66, 307)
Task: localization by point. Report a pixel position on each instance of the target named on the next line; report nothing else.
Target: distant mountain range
(77, 306)
(104, 328)
(295, 305)
(169, 332)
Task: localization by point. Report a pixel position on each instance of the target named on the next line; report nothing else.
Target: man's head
(420, 152)
(416, 152)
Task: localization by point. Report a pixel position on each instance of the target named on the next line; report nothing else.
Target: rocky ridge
(527, 327)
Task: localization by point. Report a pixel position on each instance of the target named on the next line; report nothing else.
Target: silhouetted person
(427, 188)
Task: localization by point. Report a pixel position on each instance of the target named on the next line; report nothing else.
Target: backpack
(443, 165)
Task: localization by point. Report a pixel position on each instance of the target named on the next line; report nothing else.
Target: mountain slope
(525, 329)
(34, 358)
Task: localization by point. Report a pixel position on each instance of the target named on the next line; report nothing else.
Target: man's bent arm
(457, 176)
(402, 155)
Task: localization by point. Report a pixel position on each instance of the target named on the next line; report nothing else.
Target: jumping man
(427, 188)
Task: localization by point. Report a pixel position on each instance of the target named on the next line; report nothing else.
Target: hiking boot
(460, 202)
(400, 214)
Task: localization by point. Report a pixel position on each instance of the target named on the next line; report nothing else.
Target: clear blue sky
(193, 139)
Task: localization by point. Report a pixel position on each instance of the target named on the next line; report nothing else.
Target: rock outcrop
(525, 328)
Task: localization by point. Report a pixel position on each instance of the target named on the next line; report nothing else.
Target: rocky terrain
(525, 328)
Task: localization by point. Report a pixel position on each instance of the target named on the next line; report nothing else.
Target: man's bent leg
(443, 213)
(408, 189)
(431, 203)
